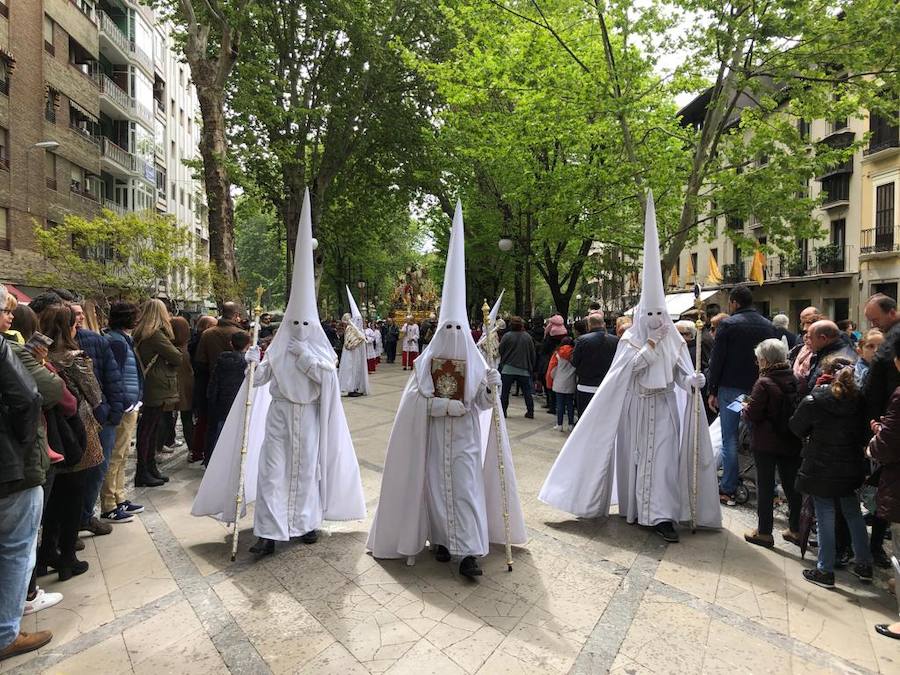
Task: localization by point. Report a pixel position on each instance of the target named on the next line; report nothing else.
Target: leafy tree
(209, 33)
(132, 256)
(260, 253)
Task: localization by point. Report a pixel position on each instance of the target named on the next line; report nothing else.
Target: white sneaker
(42, 600)
(559, 427)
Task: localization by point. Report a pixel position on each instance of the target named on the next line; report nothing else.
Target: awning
(678, 303)
(19, 295)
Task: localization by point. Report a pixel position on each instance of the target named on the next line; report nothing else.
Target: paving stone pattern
(162, 596)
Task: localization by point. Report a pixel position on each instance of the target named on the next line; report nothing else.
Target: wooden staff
(501, 468)
(245, 438)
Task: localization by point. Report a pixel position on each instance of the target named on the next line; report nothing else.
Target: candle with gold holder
(501, 469)
(251, 371)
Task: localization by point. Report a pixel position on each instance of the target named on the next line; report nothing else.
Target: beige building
(95, 112)
(859, 253)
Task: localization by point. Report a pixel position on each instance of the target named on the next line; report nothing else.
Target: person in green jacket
(159, 359)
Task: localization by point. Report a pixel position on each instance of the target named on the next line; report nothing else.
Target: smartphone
(38, 339)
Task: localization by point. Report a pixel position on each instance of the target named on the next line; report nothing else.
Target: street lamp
(43, 145)
(505, 244)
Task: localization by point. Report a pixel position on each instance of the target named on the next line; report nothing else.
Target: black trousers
(390, 350)
(62, 516)
(187, 427)
(787, 466)
(582, 398)
(507, 383)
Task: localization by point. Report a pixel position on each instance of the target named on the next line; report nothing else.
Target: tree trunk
(213, 150)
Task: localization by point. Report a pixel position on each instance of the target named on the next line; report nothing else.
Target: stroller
(746, 465)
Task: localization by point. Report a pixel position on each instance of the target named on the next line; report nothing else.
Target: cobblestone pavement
(162, 596)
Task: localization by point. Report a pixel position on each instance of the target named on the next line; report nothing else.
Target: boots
(262, 547)
(143, 477)
(154, 470)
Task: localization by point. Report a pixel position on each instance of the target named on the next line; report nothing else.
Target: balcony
(84, 133)
(116, 95)
(826, 259)
(86, 8)
(119, 156)
(118, 209)
(885, 135)
(116, 39)
(733, 274)
(77, 188)
(144, 114)
(880, 240)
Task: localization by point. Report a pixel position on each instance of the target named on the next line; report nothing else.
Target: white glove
(456, 408)
(659, 333)
(253, 355)
(493, 378)
(697, 380)
(295, 347)
(327, 366)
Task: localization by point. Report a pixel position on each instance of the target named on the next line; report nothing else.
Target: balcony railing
(826, 259)
(160, 109)
(87, 9)
(144, 113)
(109, 28)
(114, 207)
(143, 57)
(733, 274)
(880, 240)
(120, 156)
(115, 93)
(84, 133)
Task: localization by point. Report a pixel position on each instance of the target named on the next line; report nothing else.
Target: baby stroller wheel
(742, 494)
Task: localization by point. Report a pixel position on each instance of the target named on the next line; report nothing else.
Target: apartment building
(88, 91)
(859, 253)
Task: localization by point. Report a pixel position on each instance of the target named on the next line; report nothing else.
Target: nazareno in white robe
(441, 479)
(373, 343)
(353, 372)
(634, 445)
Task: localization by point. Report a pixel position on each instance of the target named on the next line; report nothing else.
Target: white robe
(353, 372)
(373, 343)
(450, 493)
(634, 446)
(410, 337)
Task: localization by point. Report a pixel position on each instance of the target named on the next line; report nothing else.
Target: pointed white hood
(492, 317)
(301, 316)
(452, 337)
(355, 314)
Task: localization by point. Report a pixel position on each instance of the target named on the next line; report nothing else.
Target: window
(837, 188)
(181, 77)
(181, 116)
(51, 102)
(803, 129)
(4, 229)
(838, 124)
(884, 217)
(50, 170)
(4, 10)
(885, 132)
(76, 179)
(714, 254)
(181, 196)
(734, 223)
(4, 75)
(694, 264)
(4, 149)
(173, 189)
(172, 149)
(189, 125)
(190, 201)
(48, 35)
(838, 243)
(172, 107)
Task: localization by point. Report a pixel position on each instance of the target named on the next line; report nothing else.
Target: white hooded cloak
(438, 485)
(301, 467)
(634, 444)
(352, 372)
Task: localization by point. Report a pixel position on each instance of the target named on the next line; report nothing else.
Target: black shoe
(529, 415)
(819, 578)
(441, 554)
(863, 572)
(468, 567)
(145, 479)
(96, 527)
(153, 470)
(79, 544)
(842, 560)
(353, 394)
(263, 547)
(667, 531)
(310, 537)
(883, 629)
(881, 559)
(71, 568)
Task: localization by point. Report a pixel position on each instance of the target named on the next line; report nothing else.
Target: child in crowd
(225, 383)
(561, 379)
(866, 347)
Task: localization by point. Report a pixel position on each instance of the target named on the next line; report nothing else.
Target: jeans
(825, 507)
(730, 420)
(507, 383)
(20, 516)
(97, 474)
(787, 466)
(565, 404)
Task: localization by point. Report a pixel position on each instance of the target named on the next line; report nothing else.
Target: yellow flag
(690, 270)
(673, 278)
(757, 272)
(714, 276)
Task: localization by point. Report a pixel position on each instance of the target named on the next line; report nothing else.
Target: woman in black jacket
(830, 419)
(772, 443)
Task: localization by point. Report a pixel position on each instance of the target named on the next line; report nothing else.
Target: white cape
(340, 487)
(400, 527)
(583, 478)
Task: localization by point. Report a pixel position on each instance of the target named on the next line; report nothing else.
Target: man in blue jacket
(732, 373)
(592, 358)
(108, 414)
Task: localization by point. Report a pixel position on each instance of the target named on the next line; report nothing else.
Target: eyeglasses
(7, 311)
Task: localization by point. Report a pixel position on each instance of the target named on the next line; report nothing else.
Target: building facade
(88, 97)
(859, 254)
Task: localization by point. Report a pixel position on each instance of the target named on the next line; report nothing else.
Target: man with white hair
(593, 355)
(782, 323)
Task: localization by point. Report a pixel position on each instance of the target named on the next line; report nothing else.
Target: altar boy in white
(636, 435)
(436, 485)
(301, 467)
